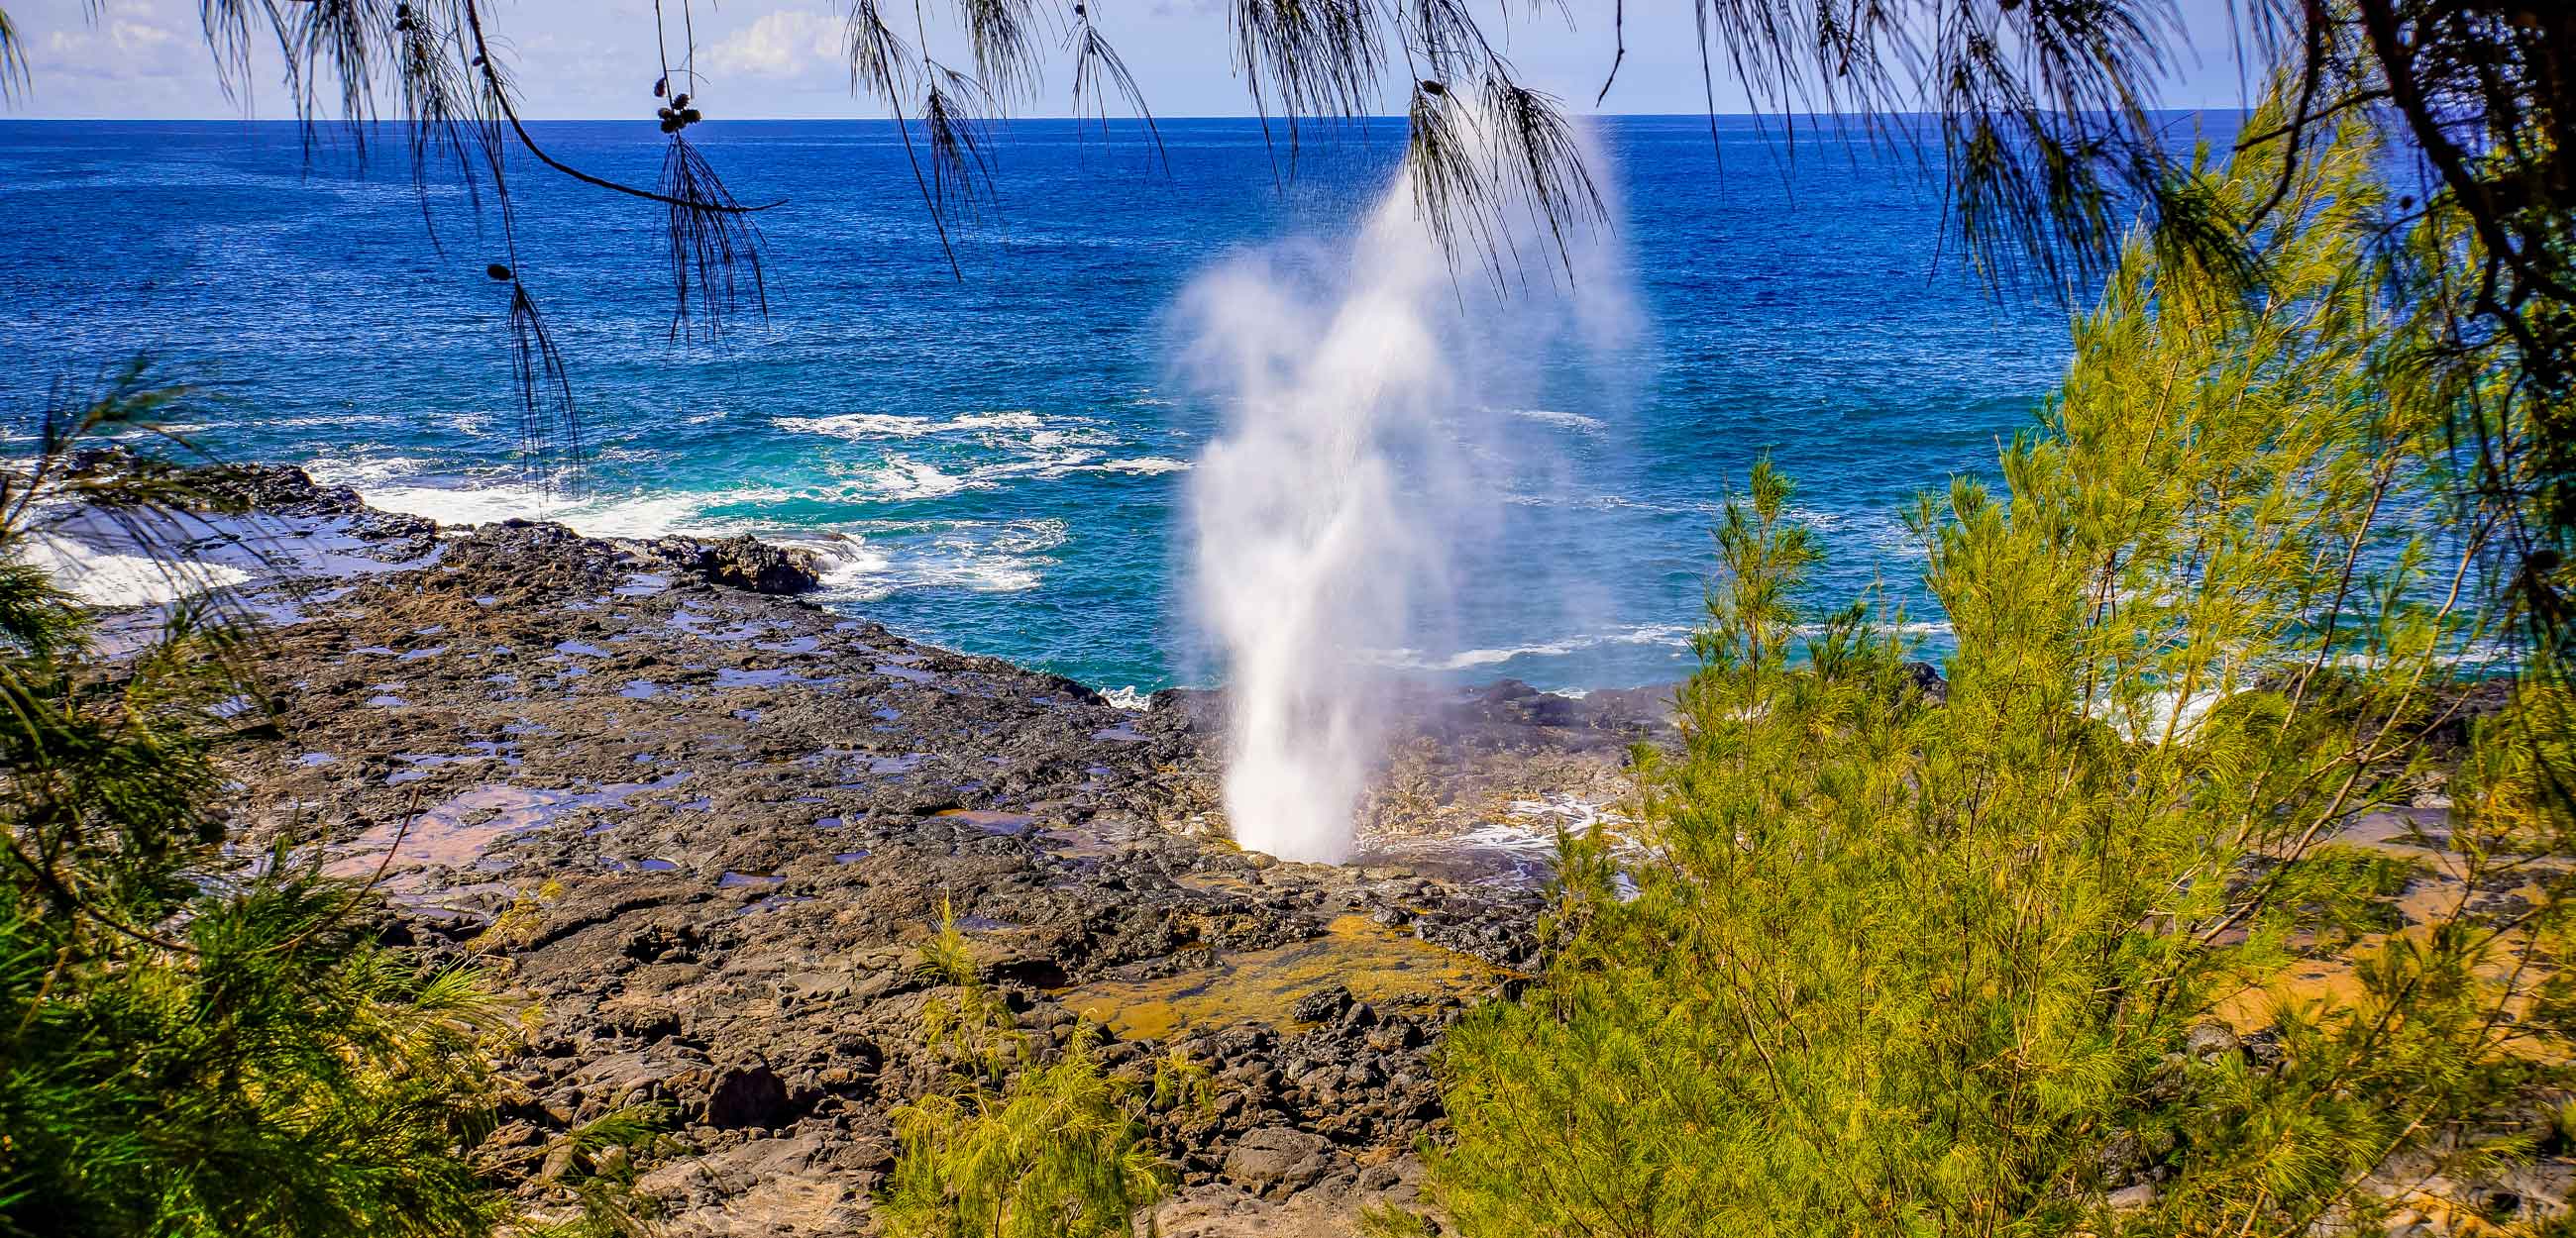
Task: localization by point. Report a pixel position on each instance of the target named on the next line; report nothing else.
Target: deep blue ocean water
(1005, 457)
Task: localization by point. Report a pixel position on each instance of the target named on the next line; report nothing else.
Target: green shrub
(1882, 966)
(1016, 1147)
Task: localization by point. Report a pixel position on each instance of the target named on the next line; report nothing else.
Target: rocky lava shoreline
(704, 828)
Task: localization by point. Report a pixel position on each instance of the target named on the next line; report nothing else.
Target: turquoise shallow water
(1000, 462)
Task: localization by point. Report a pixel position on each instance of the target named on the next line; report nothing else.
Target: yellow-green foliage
(2510, 788)
(1385, 1220)
(1183, 1082)
(1889, 967)
(1016, 1147)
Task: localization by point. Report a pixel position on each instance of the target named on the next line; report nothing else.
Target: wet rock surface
(706, 829)
(742, 562)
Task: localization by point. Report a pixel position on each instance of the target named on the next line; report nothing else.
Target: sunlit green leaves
(1020, 1143)
(1885, 966)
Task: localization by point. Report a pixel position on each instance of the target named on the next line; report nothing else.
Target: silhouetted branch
(1095, 62)
(1006, 53)
(545, 387)
(713, 250)
(509, 111)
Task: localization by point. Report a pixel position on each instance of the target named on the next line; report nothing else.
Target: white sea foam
(848, 563)
(1077, 436)
(361, 474)
(1031, 448)
(1052, 465)
(1030, 536)
(1143, 466)
(106, 578)
(904, 573)
(1642, 634)
(454, 505)
(1128, 698)
(1563, 420)
(857, 426)
(903, 478)
(412, 486)
(2159, 714)
(879, 559)
(634, 516)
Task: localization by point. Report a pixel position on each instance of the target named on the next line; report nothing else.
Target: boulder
(1278, 1159)
(746, 562)
(1322, 1005)
(749, 1095)
(2211, 1041)
(1184, 711)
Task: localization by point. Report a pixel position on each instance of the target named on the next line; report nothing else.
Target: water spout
(1357, 379)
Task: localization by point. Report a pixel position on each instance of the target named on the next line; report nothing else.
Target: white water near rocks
(1368, 392)
(115, 560)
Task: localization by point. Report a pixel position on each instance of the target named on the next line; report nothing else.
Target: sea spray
(1365, 388)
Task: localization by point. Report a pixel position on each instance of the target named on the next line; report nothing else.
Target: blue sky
(780, 58)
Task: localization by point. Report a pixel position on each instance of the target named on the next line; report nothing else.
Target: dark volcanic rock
(740, 562)
(745, 562)
(277, 488)
(269, 490)
(1185, 710)
(747, 1095)
(1322, 1006)
(1278, 1159)
(1512, 714)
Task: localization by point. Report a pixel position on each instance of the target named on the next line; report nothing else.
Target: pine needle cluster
(2017, 962)
(195, 1041)
(1016, 1146)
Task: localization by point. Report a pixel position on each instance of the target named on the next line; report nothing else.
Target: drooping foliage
(2100, 923)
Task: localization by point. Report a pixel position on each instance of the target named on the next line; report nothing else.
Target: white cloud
(125, 53)
(117, 31)
(786, 43)
(135, 35)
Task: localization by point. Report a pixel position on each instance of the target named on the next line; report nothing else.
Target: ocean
(999, 463)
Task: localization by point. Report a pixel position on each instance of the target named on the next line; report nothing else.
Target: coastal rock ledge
(705, 828)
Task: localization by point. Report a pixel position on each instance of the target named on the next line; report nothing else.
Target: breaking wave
(860, 426)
